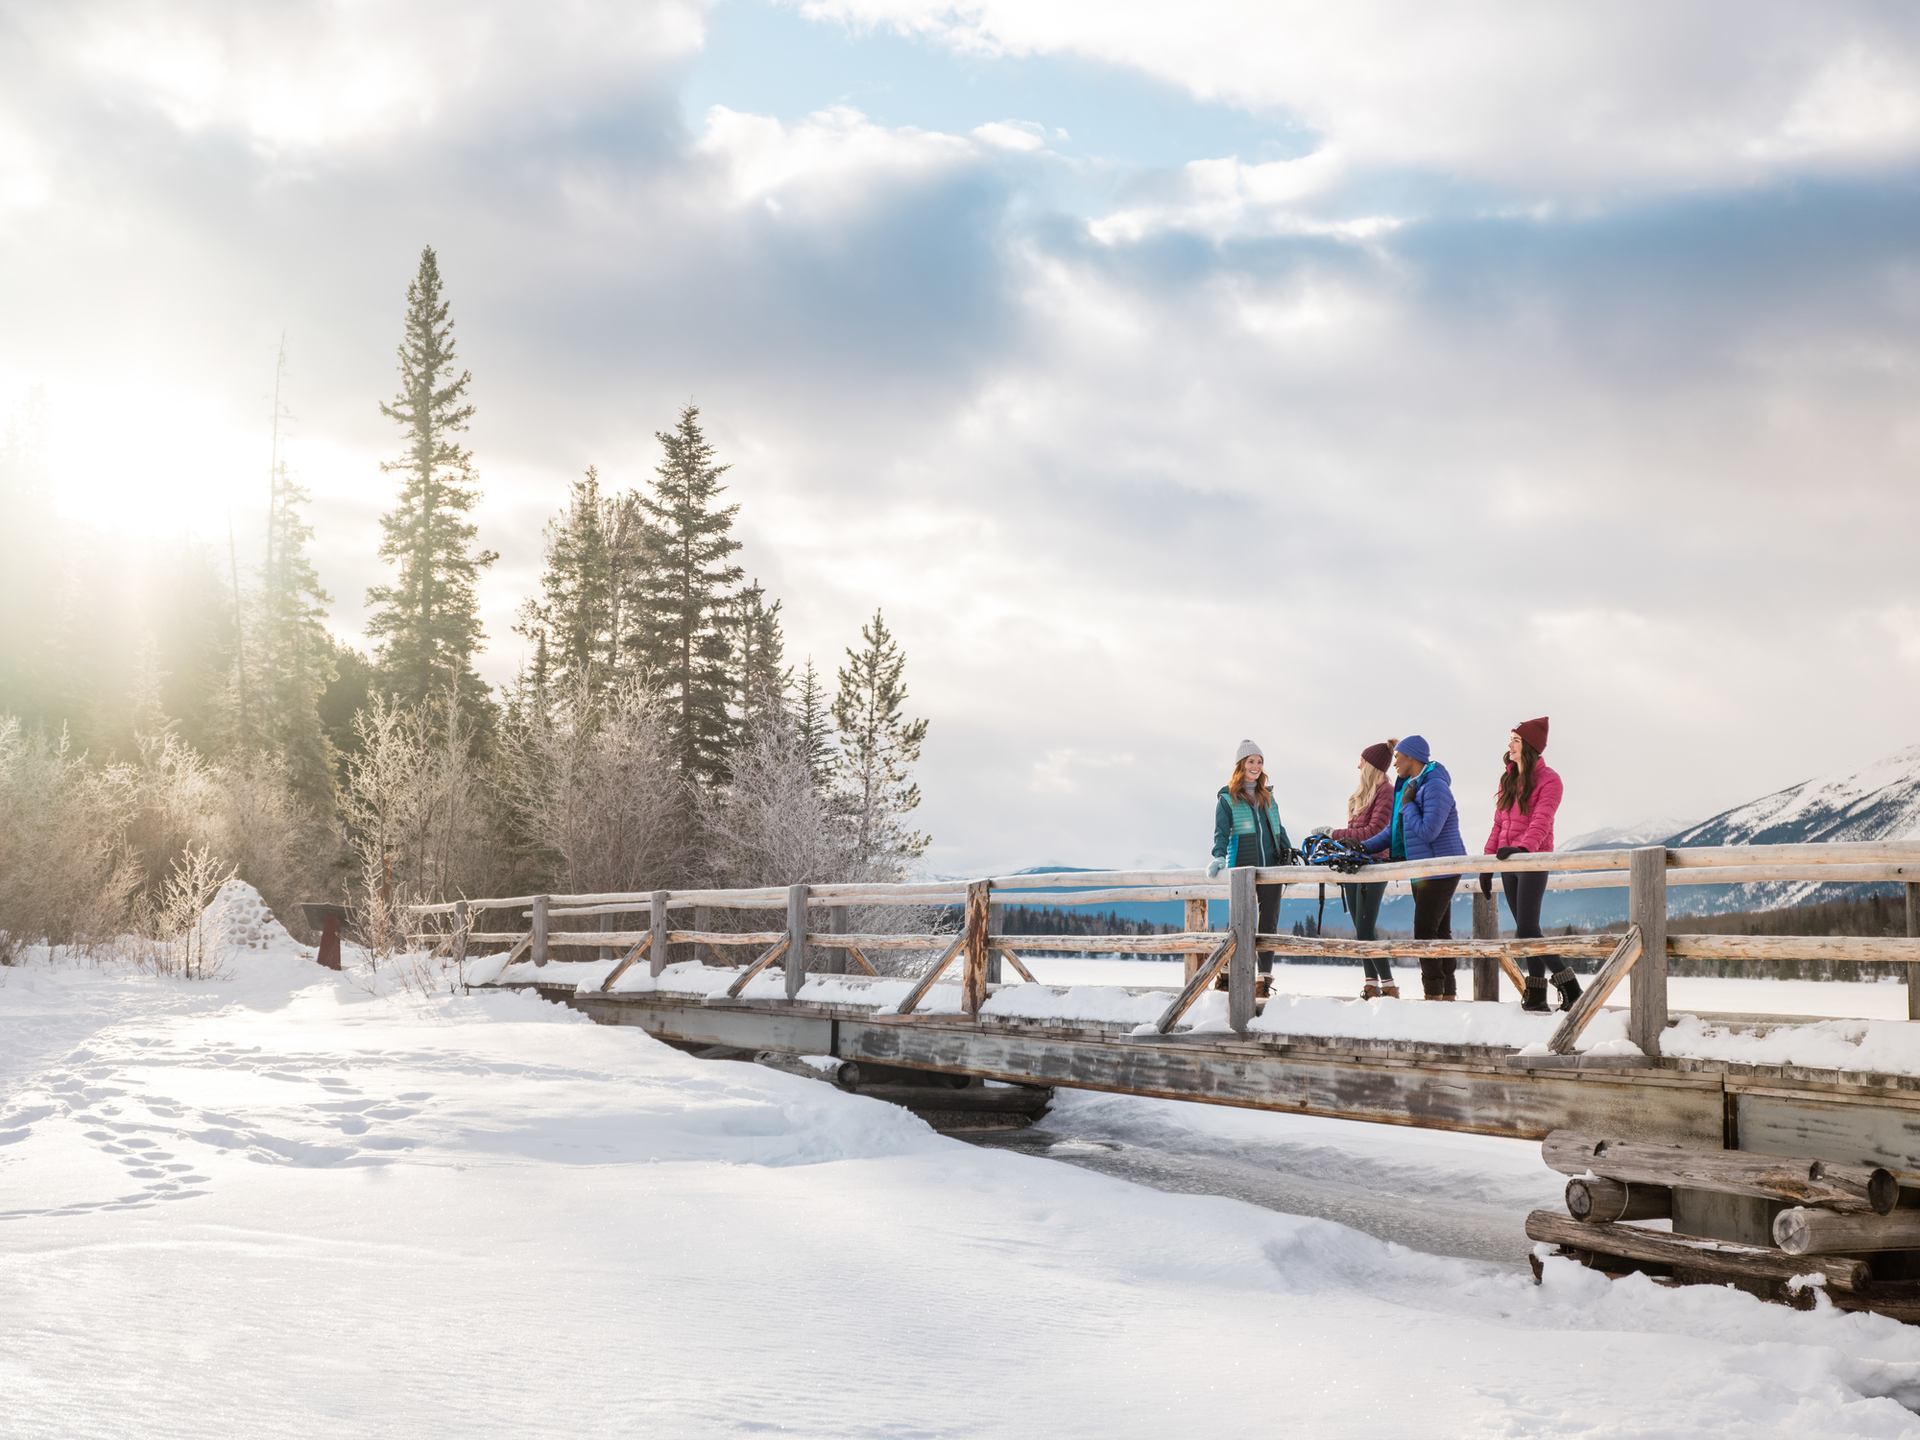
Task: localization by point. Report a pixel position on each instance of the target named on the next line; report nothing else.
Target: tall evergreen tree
(761, 675)
(296, 656)
(878, 750)
(427, 621)
(686, 596)
(595, 556)
(813, 724)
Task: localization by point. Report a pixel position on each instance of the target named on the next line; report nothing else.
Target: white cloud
(834, 157)
(1553, 98)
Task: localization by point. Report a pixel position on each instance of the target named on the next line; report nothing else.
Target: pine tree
(296, 655)
(684, 599)
(760, 672)
(813, 724)
(878, 749)
(427, 621)
(595, 555)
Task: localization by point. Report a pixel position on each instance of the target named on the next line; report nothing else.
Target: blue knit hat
(1414, 747)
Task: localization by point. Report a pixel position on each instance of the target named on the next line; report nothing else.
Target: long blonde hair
(1237, 786)
(1362, 797)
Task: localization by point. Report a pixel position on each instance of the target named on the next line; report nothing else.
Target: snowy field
(288, 1204)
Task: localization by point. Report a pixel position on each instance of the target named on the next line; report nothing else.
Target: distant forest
(170, 716)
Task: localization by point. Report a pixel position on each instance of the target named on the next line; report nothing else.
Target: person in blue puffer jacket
(1425, 824)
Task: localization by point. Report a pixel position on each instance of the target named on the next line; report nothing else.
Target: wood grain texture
(1796, 1180)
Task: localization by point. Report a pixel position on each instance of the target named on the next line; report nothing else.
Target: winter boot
(1389, 990)
(1536, 996)
(1370, 990)
(1569, 988)
(1262, 987)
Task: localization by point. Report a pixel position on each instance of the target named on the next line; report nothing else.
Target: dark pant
(1525, 891)
(1433, 920)
(1363, 904)
(1269, 921)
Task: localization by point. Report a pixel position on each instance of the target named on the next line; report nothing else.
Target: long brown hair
(1517, 781)
(1370, 781)
(1237, 786)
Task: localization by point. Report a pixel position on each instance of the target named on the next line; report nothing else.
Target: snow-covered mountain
(1625, 837)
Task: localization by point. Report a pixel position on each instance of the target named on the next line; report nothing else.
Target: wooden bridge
(833, 1003)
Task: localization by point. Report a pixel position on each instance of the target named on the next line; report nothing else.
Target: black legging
(1363, 904)
(1433, 920)
(1525, 890)
(1269, 921)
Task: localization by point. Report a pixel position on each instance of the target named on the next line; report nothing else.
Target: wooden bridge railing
(1640, 956)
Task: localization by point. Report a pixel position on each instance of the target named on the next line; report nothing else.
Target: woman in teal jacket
(1247, 831)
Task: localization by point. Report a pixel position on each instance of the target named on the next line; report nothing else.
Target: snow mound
(241, 918)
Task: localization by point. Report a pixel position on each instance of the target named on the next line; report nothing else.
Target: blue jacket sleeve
(1427, 816)
(1222, 827)
(1380, 841)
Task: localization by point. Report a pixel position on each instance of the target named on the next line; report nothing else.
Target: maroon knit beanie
(1377, 755)
(1534, 732)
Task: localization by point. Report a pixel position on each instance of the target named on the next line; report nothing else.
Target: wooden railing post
(657, 946)
(605, 952)
(796, 961)
(702, 921)
(460, 928)
(1243, 923)
(540, 903)
(1647, 909)
(1486, 926)
(839, 922)
(1196, 922)
(973, 948)
(1913, 972)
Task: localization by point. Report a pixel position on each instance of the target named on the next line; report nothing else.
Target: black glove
(1507, 852)
(1289, 855)
(1486, 883)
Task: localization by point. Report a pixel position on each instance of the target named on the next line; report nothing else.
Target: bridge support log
(1647, 910)
(1243, 916)
(1599, 1201)
(974, 947)
(1486, 926)
(1852, 1189)
(796, 939)
(1803, 1231)
(1714, 1259)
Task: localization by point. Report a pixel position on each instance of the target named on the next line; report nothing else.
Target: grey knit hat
(1247, 747)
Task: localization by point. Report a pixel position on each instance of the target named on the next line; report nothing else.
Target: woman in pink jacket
(1524, 807)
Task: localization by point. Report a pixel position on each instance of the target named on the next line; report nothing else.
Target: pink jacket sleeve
(1378, 816)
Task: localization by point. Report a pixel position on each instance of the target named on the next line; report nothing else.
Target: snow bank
(1886, 1047)
(404, 1167)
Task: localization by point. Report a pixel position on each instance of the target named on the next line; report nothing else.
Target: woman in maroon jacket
(1369, 811)
(1524, 807)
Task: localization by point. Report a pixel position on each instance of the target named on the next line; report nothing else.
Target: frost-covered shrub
(184, 933)
(65, 875)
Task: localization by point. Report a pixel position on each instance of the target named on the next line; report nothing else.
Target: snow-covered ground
(292, 1202)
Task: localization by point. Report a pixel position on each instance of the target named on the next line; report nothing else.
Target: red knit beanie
(1534, 732)
(1377, 755)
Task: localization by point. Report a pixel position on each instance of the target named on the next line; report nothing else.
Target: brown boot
(1370, 991)
(1262, 987)
(1389, 991)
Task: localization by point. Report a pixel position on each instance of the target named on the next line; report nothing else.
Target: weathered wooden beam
(1626, 954)
(462, 923)
(926, 982)
(1243, 918)
(657, 956)
(852, 952)
(974, 947)
(1497, 950)
(1596, 1200)
(1803, 1231)
(1913, 930)
(539, 930)
(1486, 926)
(779, 949)
(1156, 894)
(1851, 1189)
(1195, 987)
(639, 948)
(1019, 965)
(796, 961)
(1722, 1259)
(1647, 913)
(1864, 948)
(1195, 921)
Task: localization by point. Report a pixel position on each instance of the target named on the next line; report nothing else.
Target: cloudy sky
(1169, 373)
